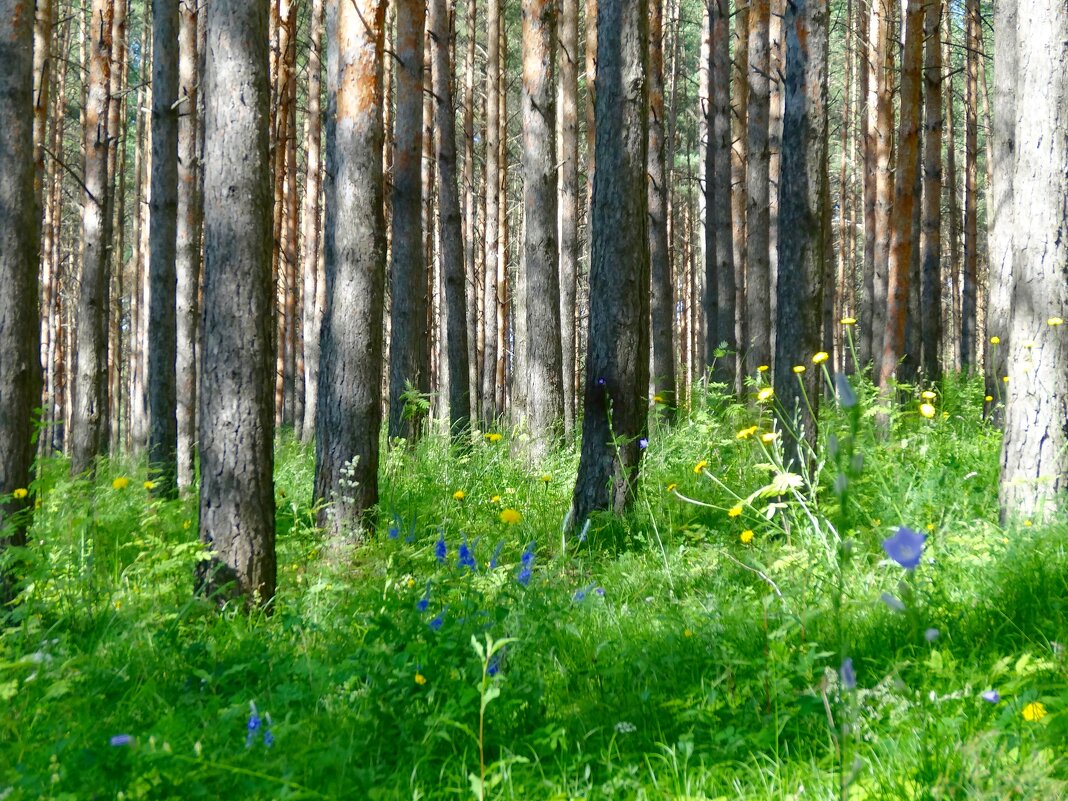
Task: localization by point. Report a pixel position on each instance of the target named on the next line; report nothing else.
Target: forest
(514, 399)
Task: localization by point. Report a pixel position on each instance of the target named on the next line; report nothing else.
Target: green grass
(661, 657)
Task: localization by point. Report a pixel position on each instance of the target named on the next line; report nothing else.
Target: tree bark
(237, 513)
(757, 219)
(1034, 460)
(488, 403)
(718, 204)
(569, 202)
(969, 308)
(951, 345)
(617, 360)
(931, 240)
(350, 402)
(470, 190)
(739, 201)
(881, 124)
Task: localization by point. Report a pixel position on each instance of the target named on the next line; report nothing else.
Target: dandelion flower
(848, 321)
(770, 437)
(120, 483)
(495, 499)
(1028, 524)
(765, 393)
(420, 679)
(735, 511)
(672, 487)
(746, 433)
(546, 478)
(1034, 712)
(762, 368)
(150, 485)
(510, 516)
(20, 493)
(995, 340)
(928, 395)
(658, 398)
(458, 495)
(821, 357)
(988, 398)
(927, 410)
(746, 536)
(799, 368)
(1005, 379)
(701, 465)
(493, 436)
(1054, 321)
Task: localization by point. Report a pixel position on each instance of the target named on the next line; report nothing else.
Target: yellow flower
(701, 465)
(1054, 321)
(420, 679)
(1005, 379)
(928, 395)
(848, 321)
(1034, 712)
(762, 368)
(20, 493)
(150, 485)
(687, 633)
(658, 398)
(187, 524)
(493, 436)
(672, 487)
(546, 478)
(746, 433)
(927, 410)
(735, 511)
(458, 495)
(510, 516)
(746, 536)
(122, 482)
(410, 582)
(820, 357)
(995, 340)
(770, 437)
(1028, 524)
(988, 398)
(799, 368)
(765, 393)
(495, 499)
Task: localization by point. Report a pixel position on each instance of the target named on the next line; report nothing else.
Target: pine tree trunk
(931, 241)
(951, 344)
(20, 367)
(488, 403)
(739, 201)
(568, 62)
(757, 220)
(1034, 461)
(968, 309)
(845, 255)
(617, 360)
(471, 206)
(90, 410)
(881, 127)
(237, 520)
(503, 292)
(310, 221)
(719, 214)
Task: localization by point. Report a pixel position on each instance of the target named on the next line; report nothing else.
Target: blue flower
(120, 740)
(848, 674)
(494, 666)
(268, 736)
(466, 558)
(905, 547)
(253, 726)
(440, 549)
(424, 602)
(527, 562)
(437, 622)
(991, 696)
(932, 634)
(394, 530)
(643, 443)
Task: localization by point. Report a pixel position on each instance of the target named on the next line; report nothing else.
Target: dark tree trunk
(350, 394)
(931, 240)
(758, 215)
(718, 203)
(739, 203)
(20, 366)
(617, 359)
(236, 406)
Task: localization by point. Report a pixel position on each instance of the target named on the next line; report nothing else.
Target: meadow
(746, 632)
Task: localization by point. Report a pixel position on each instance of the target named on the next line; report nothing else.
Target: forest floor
(742, 634)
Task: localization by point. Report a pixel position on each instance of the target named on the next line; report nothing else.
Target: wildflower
(625, 727)
(988, 398)
(268, 735)
(458, 495)
(765, 393)
(643, 443)
(846, 396)
(848, 674)
(1054, 321)
(120, 483)
(1034, 712)
(495, 499)
(746, 433)
(20, 493)
(799, 368)
(546, 478)
(905, 547)
(420, 679)
(150, 485)
(735, 511)
(1028, 524)
(769, 437)
(928, 395)
(494, 666)
(746, 536)
(598, 591)
(848, 321)
(672, 487)
(930, 526)
(394, 531)
(510, 516)
(892, 601)
(424, 602)
(580, 595)
(658, 398)
(465, 558)
(1005, 379)
(991, 696)
(120, 740)
(995, 340)
(253, 725)
(701, 465)
(931, 634)
(820, 357)
(927, 410)
(188, 524)
(762, 368)
(437, 622)
(527, 565)
(440, 549)
(493, 436)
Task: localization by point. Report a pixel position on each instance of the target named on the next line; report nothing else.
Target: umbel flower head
(905, 547)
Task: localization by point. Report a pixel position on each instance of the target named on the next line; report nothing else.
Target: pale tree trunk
(719, 193)
(931, 240)
(845, 255)
(488, 403)
(952, 343)
(350, 389)
(237, 520)
(42, 85)
(162, 340)
(568, 159)
(310, 225)
(617, 360)
(968, 308)
(90, 408)
(776, 95)
(757, 220)
(739, 201)
(187, 264)
(867, 56)
(899, 257)
(803, 206)
(283, 23)
(113, 211)
(451, 232)
(663, 301)
(504, 316)
(880, 127)
(475, 342)
(138, 427)
(294, 399)
(20, 367)
(1034, 459)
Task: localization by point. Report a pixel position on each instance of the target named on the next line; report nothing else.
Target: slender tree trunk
(776, 94)
(845, 255)
(112, 231)
(617, 361)
(42, 85)
(952, 344)
(470, 190)
(881, 124)
(969, 309)
(803, 242)
(311, 219)
(718, 205)
(237, 520)
(294, 384)
(490, 411)
(91, 358)
(899, 257)
(20, 367)
(758, 266)
(739, 201)
(569, 201)
(868, 48)
(931, 242)
(503, 292)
